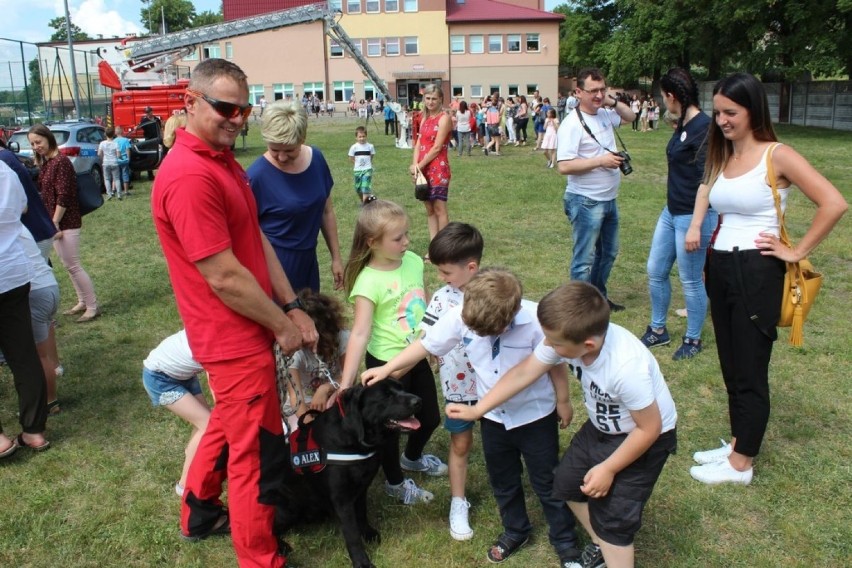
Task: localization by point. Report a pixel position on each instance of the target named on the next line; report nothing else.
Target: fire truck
(143, 74)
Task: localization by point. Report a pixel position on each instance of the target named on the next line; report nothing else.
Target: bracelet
(294, 305)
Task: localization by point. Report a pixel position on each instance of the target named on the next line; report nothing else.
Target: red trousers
(243, 443)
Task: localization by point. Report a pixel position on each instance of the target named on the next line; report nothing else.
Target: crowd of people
(241, 252)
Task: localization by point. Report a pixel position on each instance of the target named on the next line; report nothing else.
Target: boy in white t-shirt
(456, 252)
(614, 460)
(499, 329)
(361, 154)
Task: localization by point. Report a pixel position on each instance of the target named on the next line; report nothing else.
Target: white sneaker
(459, 525)
(179, 489)
(60, 371)
(428, 464)
(408, 492)
(720, 472)
(712, 456)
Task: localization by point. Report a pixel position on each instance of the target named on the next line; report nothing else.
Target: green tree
(178, 15)
(34, 84)
(61, 33)
(206, 18)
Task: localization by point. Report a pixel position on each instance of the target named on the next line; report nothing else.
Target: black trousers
(18, 346)
(421, 382)
(745, 290)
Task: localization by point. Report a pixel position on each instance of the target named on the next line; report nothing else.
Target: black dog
(350, 434)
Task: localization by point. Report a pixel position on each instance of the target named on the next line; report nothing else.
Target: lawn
(103, 495)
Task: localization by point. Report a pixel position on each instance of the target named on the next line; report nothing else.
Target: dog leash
(283, 379)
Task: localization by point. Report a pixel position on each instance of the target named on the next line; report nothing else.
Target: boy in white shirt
(361, 154)
(614, 460)
(499, 329)
(456, 252)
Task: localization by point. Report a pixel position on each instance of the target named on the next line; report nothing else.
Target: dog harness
(306, 455)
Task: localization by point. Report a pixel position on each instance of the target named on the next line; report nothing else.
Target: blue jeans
(667, 246)
(595, 237)
(538, 444)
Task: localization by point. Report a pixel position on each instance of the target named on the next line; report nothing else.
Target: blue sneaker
(688, 349)
(654, 339)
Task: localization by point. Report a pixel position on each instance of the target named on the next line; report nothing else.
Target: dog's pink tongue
(410, 423)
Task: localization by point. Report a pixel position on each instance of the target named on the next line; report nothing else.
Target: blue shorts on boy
(525, 426)
(458, 379)
(625, 377)
(169, 372)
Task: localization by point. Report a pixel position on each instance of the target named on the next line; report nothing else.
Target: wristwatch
(294, 305)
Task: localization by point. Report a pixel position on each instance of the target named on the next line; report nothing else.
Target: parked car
(79, 141)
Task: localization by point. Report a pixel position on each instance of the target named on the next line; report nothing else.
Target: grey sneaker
(688, 349)
(428, 464)
(593, 557)
(408, 492)
(654, 339)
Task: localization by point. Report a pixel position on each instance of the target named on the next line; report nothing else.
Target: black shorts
(617, 517)
(494, 130)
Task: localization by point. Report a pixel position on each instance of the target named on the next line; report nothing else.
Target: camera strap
(589, 131)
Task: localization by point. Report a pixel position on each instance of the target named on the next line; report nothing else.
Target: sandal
(504, 547)
(53, 408)
(13, 447)
(222, 527)
(79, 308)
(21, 443)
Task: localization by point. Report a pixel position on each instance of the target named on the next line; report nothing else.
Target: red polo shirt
(202, 204)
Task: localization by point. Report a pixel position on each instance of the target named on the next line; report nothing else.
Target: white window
(335, 5)
(513, 90)
(533, 42)
(97, 88)
(372, 7)
(513, 43)
(192, 56)
(392, 46)
(369, 90)
(391, 5)
(495, 44)
(374, 48)
(456, 44)
(343, 91)
(532, 88)
(212, 51)
(255, 92)
(411, 47)
(316, 88)
(356, 43)
(282, 91)
(409, 5)
(353, 6)
(476, 44)
(476, 91)
(458, 91)
(494, 89)
(229, 50)
(335, 49)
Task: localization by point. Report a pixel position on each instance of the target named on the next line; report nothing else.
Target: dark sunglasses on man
(225, 109)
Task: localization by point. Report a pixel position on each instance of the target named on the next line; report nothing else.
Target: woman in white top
(746, 267)
(463, 127)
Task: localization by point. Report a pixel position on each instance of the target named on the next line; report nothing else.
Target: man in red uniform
(225, 275)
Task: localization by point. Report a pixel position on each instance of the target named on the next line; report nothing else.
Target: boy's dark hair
(360, 129)
(110, 132)
(456, 243)
(576, 311)
(491, 300)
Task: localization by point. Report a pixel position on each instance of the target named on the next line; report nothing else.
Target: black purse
(421, 187)
(89, 195)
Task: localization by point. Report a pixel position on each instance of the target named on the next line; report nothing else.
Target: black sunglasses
(225, 109)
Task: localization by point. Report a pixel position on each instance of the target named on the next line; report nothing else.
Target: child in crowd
(456, 252)
(614, 460)
(109, 154)
(361, 153)
(385, 281)
(499, 329)
(168, 374)
(312, 372)
(123, 143)
(548, 142)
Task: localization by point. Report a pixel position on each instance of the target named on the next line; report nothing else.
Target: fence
(827, 104)
(19, 97)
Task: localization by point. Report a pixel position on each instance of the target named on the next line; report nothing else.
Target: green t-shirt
(400, 302)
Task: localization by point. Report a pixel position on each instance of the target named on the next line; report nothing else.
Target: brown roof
(492, 10)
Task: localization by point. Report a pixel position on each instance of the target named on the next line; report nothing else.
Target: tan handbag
(801, 282)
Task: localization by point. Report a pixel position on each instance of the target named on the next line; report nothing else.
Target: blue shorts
(165, 390)
(125, 172)
(454, 425)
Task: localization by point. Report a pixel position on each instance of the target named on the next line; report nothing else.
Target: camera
(624, 166)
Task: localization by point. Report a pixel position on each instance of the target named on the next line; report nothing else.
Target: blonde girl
(548, 141)
(385, 282)
(430, 157)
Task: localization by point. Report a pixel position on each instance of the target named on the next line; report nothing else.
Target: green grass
(102, 496)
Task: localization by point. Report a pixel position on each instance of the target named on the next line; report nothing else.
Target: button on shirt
(492, 356)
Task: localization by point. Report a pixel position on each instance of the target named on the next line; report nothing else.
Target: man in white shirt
(586, 153)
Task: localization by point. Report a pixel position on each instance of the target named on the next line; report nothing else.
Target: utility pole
(76, 87)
